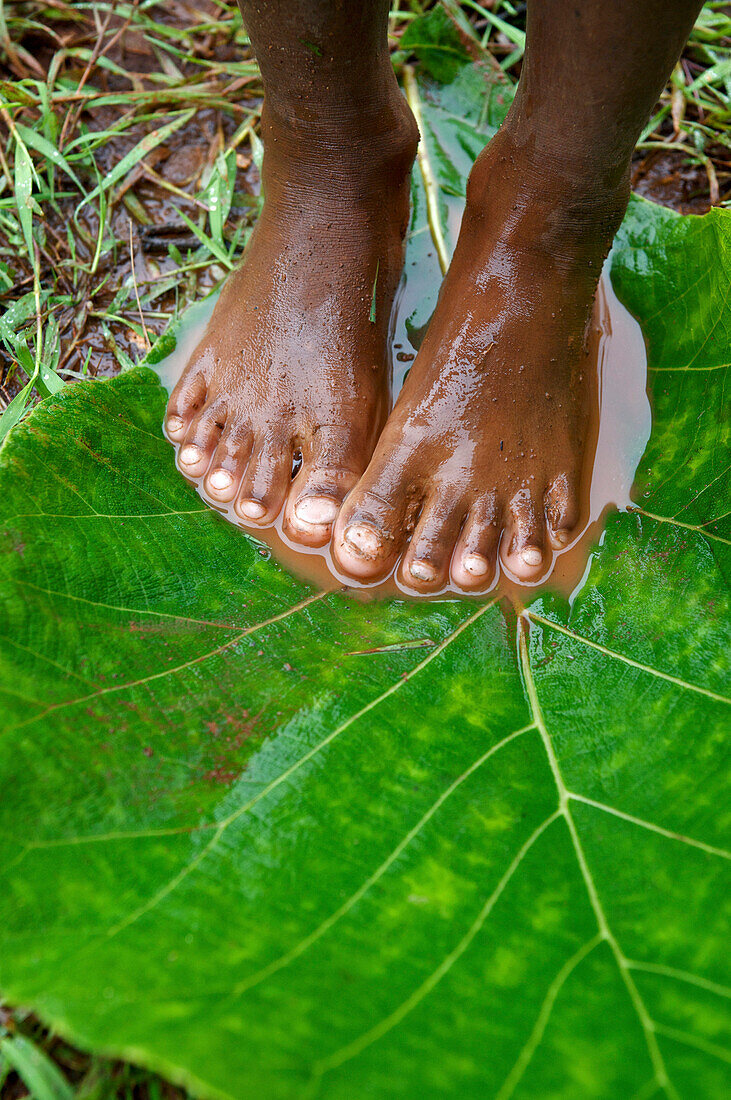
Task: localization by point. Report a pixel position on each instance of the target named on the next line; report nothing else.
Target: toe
(228, 463)
(329, 471)
(475, 557)
(266, 481)
(523, 549)
(201, 439)
(376, 519)
(186, 400)
(562, 510)
(425, 565)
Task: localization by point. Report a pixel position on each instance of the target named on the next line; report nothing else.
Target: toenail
(220, 479)
(190, 455)
(174, 423)
(561, 537)
(254, 509)
(363, 540)
(317, 510)
(475, 564)
(532, 556)
(422, 570)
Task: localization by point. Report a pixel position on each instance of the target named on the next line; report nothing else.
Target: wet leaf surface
(277, 843)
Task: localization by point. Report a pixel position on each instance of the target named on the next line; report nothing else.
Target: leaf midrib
(646, 1023)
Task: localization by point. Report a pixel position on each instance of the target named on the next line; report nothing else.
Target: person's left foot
(484, 449)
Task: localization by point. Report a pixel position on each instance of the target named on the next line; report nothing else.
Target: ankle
(373, 141)
(560, 204)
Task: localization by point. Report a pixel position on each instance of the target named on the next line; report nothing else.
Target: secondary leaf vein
(668, 833)
(327, 924)
(627, 660)
(169, 887)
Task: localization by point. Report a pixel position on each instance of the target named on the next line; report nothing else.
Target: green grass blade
(23, 197)
(213, 246)
(142, 148)
(13, 412)
(513, 34)
(43, 146)
(36, 1071)
(372, 314)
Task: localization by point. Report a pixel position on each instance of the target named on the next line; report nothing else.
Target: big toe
(331, 467)
(374, 522)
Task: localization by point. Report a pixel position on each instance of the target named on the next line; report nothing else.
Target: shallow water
(621, 431)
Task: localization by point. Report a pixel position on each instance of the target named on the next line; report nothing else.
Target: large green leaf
(283, 844)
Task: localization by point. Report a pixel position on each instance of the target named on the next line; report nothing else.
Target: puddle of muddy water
(622, 428)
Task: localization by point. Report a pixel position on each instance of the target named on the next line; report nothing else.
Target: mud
(621, 430)
(99, 321)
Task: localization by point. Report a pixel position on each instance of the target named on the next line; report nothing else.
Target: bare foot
(294, 359)
(484, 450)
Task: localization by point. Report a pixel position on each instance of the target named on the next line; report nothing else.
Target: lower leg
(292, 361)
(485, 445)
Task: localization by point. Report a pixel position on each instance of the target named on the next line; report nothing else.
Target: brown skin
(291, 362)
(484, 450)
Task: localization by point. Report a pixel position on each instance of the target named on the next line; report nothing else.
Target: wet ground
(98, 331)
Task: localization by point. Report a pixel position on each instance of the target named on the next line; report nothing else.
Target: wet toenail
(562, 538)
(254, 509)
(422, 570)
(317, 510)
(190, 455)
(220, 479)
(475, 564)
(363, 540)
(174, 423)
(532, 556)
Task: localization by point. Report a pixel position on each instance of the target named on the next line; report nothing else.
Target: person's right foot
(294, 359)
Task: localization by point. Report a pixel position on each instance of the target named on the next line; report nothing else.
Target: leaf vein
(643, 1016)
(236, 814)
(681, 976)
(696, 1041)
(179, 668)
(327, 924)
(522, 1062)
(106, 515)
(352, 1049)
(627, 660)
(669, 834)
(124, 610)
(700, 528)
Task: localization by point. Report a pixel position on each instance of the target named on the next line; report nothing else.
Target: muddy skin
(294, 360)
(484, 451)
